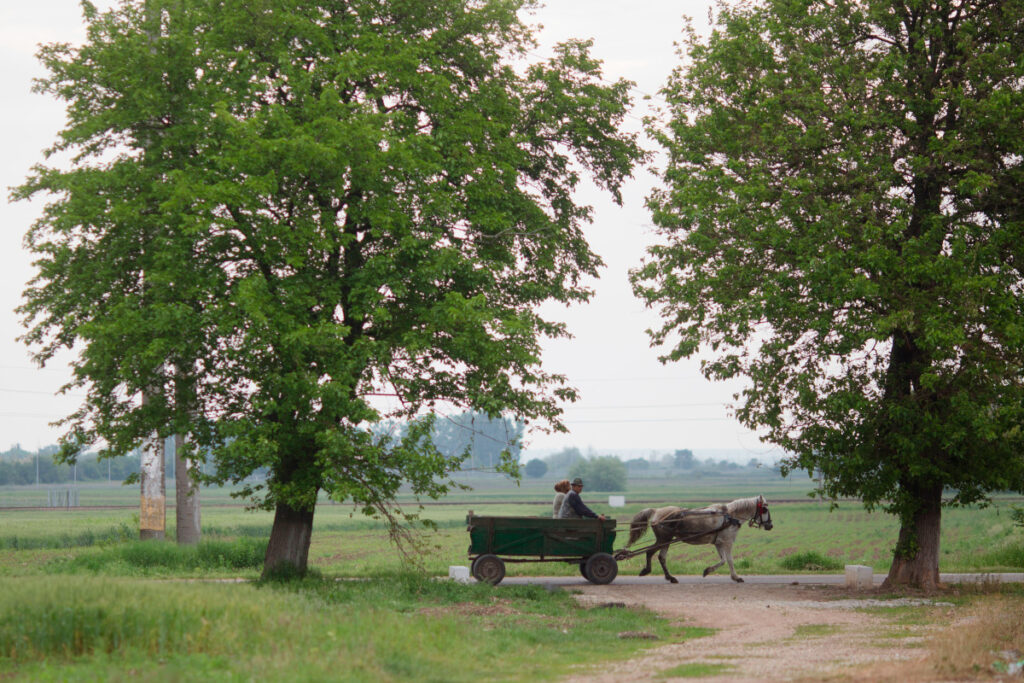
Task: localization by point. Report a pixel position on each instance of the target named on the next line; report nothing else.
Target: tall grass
(148, 558)
(396, 628)
(989, 637)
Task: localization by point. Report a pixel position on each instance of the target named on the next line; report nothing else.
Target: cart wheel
(583, 569)
(472, 567)
(601, 568)
(489, 569)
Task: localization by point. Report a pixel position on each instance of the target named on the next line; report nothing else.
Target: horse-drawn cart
(497, 540)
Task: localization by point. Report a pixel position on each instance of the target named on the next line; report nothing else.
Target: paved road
(816, 579)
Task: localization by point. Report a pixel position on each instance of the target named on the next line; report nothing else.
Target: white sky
(630, 403)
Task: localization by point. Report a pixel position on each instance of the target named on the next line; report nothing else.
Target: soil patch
(763, 632)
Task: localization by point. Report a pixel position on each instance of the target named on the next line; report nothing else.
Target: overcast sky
(630, 403)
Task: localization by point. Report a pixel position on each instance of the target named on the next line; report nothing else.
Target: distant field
(807, 536)
(675, 486)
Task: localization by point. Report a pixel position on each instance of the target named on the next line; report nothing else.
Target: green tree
(480, 441)
(683, 459)
(564, 459)
(274, 211)
(536, 468)
(604, 473)
(842, 225)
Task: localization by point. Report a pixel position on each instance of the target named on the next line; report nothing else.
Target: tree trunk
(916, 559)
(288, 550)
(186, 496)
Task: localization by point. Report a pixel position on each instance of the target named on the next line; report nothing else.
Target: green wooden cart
(493, 541)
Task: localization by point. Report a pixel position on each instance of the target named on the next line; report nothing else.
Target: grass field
(808, 536)
(84, 600)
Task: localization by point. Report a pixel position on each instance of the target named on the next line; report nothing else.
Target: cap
(577, 482)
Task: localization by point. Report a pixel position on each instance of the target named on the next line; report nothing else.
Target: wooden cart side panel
(543, 537)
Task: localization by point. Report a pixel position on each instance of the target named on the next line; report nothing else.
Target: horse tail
(638, 526)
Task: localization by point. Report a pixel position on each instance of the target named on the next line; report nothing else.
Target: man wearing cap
(573, 506)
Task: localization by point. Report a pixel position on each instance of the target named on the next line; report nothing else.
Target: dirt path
(763, 632)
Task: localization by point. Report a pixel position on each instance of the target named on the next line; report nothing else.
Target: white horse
(717, 524)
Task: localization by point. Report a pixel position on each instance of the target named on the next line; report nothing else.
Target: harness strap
(727, 521)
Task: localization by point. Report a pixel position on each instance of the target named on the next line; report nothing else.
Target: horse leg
(664, 567)
(726, 552)
(646, 569)
(708, 570)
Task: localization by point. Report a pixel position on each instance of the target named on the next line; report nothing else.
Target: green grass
(146, 558)
(347, 544)
(404, 627)
(810, 561)
(95, 612)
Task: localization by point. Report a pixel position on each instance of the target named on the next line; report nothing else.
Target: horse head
(762, 518)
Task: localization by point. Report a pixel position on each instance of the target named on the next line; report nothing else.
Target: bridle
(762, 518)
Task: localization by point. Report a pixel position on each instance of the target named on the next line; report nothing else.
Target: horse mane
(743, 508)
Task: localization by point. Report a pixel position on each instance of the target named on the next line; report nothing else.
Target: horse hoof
(645, 572)
(673, 579)
(737, 579)
(706, 572)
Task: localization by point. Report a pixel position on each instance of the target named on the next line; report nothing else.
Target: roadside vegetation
(104, 605)
(401, 627)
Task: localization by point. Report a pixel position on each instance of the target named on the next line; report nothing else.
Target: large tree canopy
(274, 210)
(843, 226)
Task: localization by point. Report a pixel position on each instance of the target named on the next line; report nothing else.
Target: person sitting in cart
(561, 488)
(573, 506)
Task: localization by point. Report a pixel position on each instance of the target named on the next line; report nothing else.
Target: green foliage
(536, 468)
(28, 468)
(397, 627)
(1017, 514)
(479, 441)
(839, 210)
(151, 557)
(683, 459)
(276, 211)
(563, 460)
(88, 537)
(1008, 556)
(810, 561)
(605, 473)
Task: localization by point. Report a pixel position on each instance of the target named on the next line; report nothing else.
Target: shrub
(810, 562)
(536, 468)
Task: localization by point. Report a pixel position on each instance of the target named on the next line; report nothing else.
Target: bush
(810, 562)
(536, 468)
(155, 557)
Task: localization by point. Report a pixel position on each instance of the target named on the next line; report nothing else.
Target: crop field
(82, 599)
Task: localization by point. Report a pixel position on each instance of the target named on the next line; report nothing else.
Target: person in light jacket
(573, 506)
(561, 488)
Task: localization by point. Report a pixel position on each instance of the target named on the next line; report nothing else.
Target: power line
(645, 406)
(667, 419)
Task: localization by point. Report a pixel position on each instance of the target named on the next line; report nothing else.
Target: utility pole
(152, 508)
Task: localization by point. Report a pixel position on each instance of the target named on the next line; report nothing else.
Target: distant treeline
(610, 473)
(23, 467)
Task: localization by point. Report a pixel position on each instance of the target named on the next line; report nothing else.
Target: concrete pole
(187, 512)
(152, 510)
